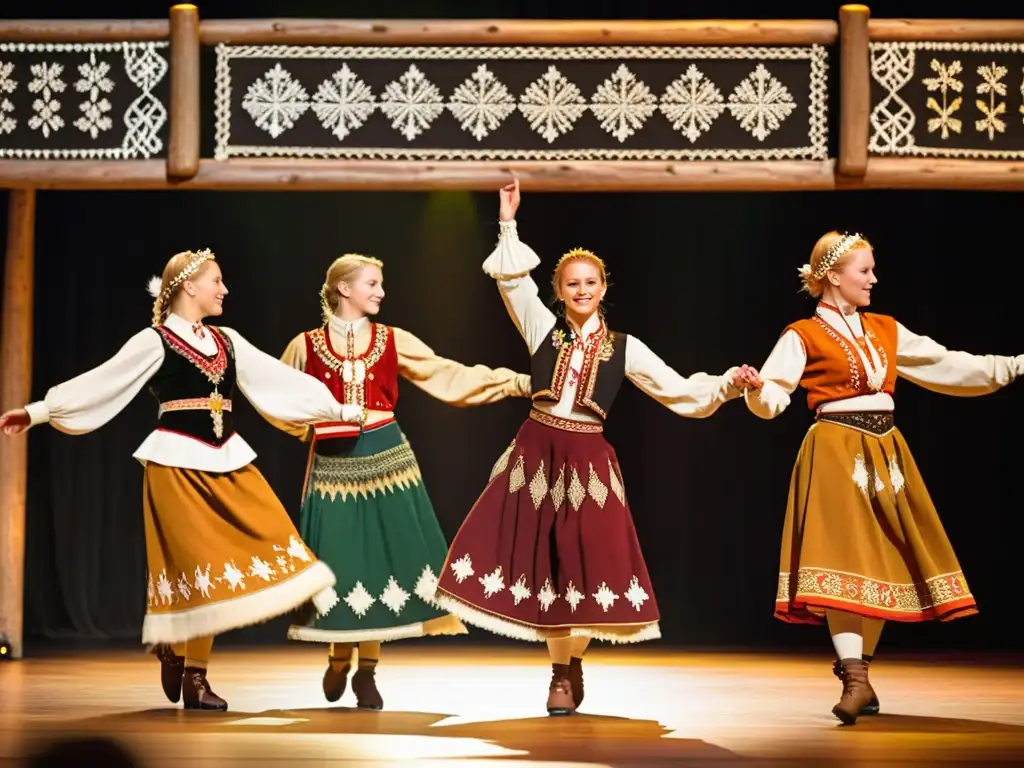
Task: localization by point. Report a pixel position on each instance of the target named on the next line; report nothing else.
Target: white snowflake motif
(343, 103)
(605, 597)
(234, 577)
(298, 550)
(860, 473)
(260, 569)
(46, 82)
(184, 588)
(623, 104)
(412, 103)
(692, 103)
(275, 101)
(546, 596)
(426, 585)
(7, 85)
(636, 594)
(282, 563)
(203, 582)
(552, 105)
(573, 596)
(164, 588)
(94, 80)
(394, 597)
(519, 590)
(896, 475)
(492, 582)
(481, 103)
(462, 568)
(359, 600)
(761, 103)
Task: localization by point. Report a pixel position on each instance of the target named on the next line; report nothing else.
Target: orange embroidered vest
(834, 369)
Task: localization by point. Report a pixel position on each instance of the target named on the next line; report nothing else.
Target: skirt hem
(508, 627)
(315, 583)
(811, 611)
(444, 625)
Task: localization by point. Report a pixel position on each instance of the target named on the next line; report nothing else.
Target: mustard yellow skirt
(222, 553)
(862, 535)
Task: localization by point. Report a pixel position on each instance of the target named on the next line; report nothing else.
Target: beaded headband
(198, 257)
(839, 247)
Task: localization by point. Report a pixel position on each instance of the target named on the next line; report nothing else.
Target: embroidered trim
(354, 368)
(211, 367)
(851, 356)
(191, 404)
(874, 423)
(599, 350)
(855, 589)
(554, 392)
(567, 425)
(364, 476)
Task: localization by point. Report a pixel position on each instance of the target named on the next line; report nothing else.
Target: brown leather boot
(576, 680)
(197, 692)
(560, 700)
(364, 686)
(873, 706)
(856, 691)
(172, 667)
(335, 681)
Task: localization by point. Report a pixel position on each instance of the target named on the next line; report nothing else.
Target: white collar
(838, 320)
(592, 324)
(181, 326)
(341, 327)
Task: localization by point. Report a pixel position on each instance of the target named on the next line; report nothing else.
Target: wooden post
(854, 90)
(183, 148)
(15, 390)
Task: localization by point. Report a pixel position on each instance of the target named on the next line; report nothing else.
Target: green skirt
(366, 514)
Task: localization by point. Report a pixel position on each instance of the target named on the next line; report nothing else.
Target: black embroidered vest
(604, 367)
(188, 375)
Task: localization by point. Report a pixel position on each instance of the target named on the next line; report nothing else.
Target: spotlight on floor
(5, 650)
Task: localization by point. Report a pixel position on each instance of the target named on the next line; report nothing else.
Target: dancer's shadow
(884, 723)
(608, 740)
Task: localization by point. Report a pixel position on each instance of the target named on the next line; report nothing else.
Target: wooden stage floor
(458, 707)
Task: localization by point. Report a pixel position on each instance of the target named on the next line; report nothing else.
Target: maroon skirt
(549, 549)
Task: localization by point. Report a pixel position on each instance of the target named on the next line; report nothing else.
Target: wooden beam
(854, 90)
(304, 175)
(516, 32)
(15, 390)
(184, 108)
(91, 31)
(931, 173)
(947, 30)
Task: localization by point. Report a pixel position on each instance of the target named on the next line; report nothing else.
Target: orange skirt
(862, 535)
(222, 553)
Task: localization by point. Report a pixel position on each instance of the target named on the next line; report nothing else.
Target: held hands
(509, 196)
(353, 413)
(15, 422)
(746, 377)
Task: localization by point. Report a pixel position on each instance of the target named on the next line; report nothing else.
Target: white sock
(846, 632)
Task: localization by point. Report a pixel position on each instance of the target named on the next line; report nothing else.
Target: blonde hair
(180, 267)
(343, 269)
(830, 254)
(578, 254)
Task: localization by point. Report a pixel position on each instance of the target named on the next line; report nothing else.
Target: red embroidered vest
(369, 379)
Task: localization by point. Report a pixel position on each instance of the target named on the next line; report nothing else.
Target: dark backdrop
(707, 280)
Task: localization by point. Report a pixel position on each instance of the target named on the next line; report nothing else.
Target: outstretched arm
(929, 364)
(780, 376)
(452, 382)
(510, 265)
(91, 399)
(280, 392)
(696, 396)
(294, 356)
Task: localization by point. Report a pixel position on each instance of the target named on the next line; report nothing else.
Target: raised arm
(282, 393)
(510, 265)
(780, 374)
(91, 399)
(929, 364)
(696, 396)
(452, 382)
